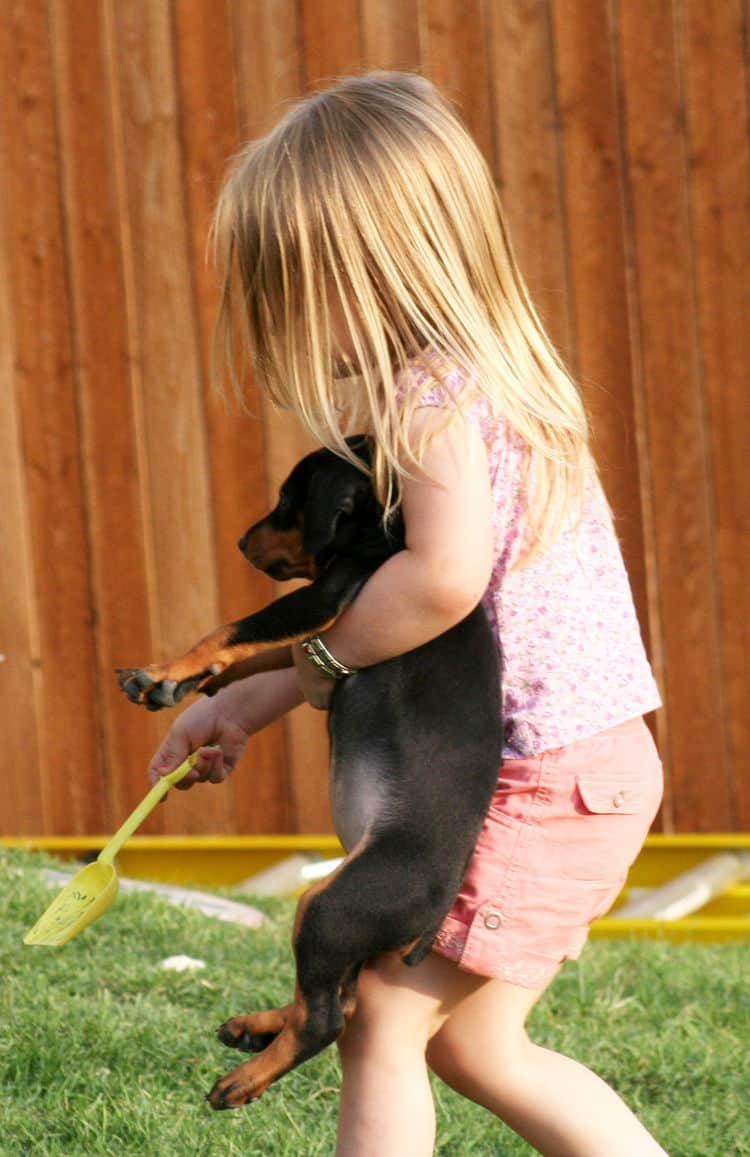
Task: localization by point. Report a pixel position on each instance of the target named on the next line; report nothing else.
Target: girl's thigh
(394, 999)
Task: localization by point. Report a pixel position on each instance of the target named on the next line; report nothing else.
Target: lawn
(102, 1052)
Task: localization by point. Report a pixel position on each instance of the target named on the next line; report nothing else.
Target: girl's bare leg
(473, 1033)
(558, 1105)
(386, 1102)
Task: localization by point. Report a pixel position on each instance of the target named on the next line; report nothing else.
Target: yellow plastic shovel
(93, 890)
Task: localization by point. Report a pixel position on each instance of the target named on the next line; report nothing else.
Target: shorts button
(619, 799)
(493, 920)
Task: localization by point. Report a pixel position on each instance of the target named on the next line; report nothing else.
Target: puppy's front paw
(136, 682)
(154, 688)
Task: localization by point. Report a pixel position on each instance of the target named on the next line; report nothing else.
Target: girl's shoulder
(432, 380)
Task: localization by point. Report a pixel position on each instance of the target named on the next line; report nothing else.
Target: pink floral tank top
(573, 659)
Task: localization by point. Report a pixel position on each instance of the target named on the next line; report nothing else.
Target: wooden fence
(617, 130)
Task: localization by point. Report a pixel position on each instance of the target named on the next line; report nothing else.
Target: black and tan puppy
(415, 750)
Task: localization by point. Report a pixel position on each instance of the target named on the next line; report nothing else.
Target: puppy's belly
(362, 797)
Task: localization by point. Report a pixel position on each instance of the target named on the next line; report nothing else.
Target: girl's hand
(203, 727)
(219, 728)
(316, 686)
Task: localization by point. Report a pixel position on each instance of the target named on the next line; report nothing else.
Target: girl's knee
(456, 1058)
(491, 1024)
(391, 1010)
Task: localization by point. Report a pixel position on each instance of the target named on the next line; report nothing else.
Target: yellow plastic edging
(177, 843)
(199, 860)
(228, 860)
(705, 929)
(206, 843)
(700, 840)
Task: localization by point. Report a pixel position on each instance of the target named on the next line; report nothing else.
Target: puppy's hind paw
(255, 1031)
(232, 1094)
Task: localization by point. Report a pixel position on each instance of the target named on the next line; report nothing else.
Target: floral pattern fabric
(573, 658)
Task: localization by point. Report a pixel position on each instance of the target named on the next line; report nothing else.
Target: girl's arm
(444, 570)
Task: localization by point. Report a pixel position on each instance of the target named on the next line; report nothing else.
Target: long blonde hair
(373, 190)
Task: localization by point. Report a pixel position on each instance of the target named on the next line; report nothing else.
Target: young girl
(366, 261)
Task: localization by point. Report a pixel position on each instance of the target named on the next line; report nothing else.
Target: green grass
(103, 1053)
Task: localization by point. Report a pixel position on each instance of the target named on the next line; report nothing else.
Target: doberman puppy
(416, 746)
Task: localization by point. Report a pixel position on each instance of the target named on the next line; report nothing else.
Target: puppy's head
(324, 506)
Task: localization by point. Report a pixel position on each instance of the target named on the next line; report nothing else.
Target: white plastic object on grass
(321, 868)
(283, 878)
(289, 875)
(689, 891)
(182, 963)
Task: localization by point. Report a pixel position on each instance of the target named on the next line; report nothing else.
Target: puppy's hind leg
(346, 920)
(324, 999)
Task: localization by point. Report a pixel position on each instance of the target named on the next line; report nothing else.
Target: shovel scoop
(93, 890)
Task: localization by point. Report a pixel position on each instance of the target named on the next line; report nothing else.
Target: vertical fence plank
(454, 42)
(168, 380)
(108, 435)
(716, 86)
(672, 389)
(49, 423)
(23, 807)
(210, 135)
(270, 69)
(331, 38)
(390, 34)
(589, 123)
(527, 147)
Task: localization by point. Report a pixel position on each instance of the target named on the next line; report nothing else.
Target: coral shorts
(561, 832)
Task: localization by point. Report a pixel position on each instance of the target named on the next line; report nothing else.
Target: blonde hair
(373, 190)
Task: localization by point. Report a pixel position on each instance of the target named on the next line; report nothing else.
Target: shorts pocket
(615, 815)
(614, 796)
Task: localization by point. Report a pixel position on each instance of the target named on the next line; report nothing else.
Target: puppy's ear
(328, 500)
(361, 445)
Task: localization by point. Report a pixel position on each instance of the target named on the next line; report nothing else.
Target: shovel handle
(147, 804)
